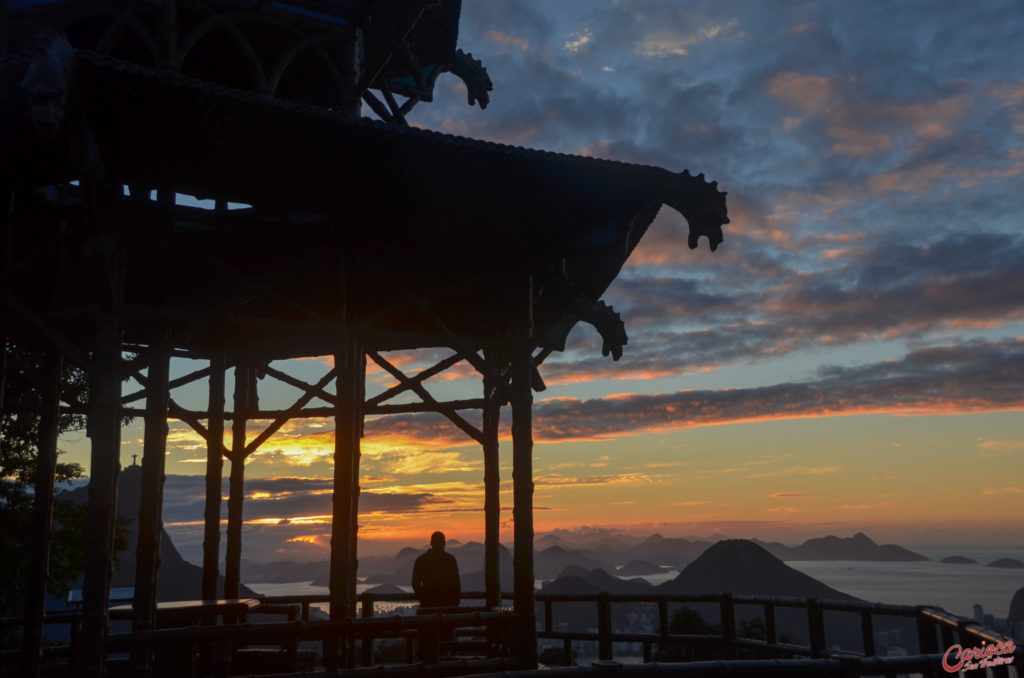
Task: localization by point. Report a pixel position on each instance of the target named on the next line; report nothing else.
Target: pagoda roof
(411, 236)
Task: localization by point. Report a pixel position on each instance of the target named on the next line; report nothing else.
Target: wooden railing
(435, 635)
(936, 630)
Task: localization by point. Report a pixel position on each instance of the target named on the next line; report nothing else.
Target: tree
(687, 621)
(19, 431)
(555, 656)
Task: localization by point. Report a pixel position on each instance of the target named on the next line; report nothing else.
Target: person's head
(437, 541)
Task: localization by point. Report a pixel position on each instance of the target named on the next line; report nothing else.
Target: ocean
(955, 588)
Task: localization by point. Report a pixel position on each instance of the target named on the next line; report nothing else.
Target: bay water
(955, 588)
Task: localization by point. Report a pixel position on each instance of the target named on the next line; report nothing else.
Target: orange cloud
(1002, 490)
(810, 93)
(506, 40)
(315, 539)
(797, 471)
(856, 142)
(865, 507)
(1010, 93)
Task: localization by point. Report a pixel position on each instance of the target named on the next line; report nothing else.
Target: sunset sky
(851, 358)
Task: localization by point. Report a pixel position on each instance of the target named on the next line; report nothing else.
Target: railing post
(926, 641)
(728, 617)
(430, 643)
(769, 624)
(604, 627)
(547, 616)
(947, 636)
(965, 638)
(367, 613)
(76, 645)
(567, 649)
(663, 619)
(867, 633)
(816, 627)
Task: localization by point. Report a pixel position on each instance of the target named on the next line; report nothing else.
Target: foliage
(688, 621)
(18, 438)
(389, 651)
(555, 656)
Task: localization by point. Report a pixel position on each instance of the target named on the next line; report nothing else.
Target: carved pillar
(214, 475)
(521, 400)
(42, 513)
(349, 70)
(150, 526)
(350, 362)
(236, 492)
(492, 499)
(105, 432)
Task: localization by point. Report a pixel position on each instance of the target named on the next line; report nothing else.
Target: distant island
(1011, 563)
(858, 547)
(958, 560)
(639, 568)
(623, 556)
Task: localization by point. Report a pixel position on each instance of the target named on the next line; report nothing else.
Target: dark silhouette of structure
(325, 234)
(435, 576)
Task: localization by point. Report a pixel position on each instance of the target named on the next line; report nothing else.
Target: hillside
(177, 579)
(740, 566)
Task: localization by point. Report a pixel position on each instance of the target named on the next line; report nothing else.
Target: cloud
(1005, 446)
(552, 480)
(667, 42)
(955, 378)
(797, 471)
(778, 495)
(506, 40)
(1002, 490)
(577, 40)
(433, 462)
(866, 507)
(808, 92)
(876, 290)
(271, 500)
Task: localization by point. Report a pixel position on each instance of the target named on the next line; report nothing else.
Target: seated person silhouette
(435, 576)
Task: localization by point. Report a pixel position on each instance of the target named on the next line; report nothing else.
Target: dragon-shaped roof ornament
(408, 44)
(700, 203)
